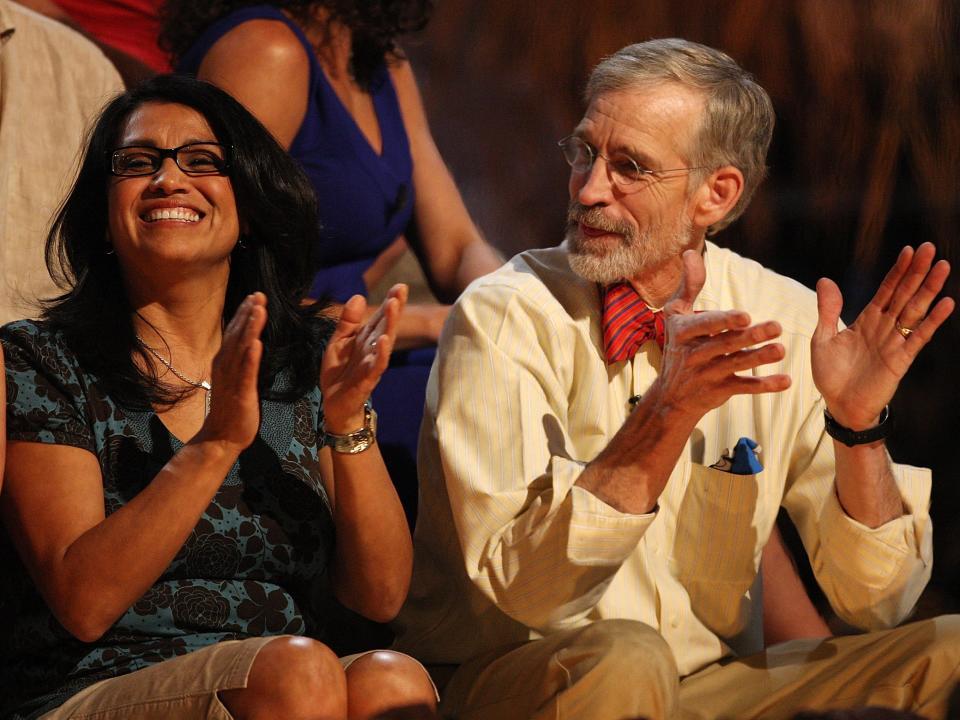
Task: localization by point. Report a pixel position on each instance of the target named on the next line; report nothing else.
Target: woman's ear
(716, 196)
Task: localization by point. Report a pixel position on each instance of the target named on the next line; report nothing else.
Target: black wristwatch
(857, 437)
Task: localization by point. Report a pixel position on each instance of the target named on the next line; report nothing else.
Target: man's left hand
(858, 369)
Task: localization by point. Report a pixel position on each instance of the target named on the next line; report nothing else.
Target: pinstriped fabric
(627, 322)
(509, 548)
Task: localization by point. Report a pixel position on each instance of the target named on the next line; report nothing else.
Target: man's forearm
(865, 485)
(632, 471)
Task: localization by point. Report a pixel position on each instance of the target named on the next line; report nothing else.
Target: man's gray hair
(738, 117)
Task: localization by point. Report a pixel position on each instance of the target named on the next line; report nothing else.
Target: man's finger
(691, 283)
(916, 307)
(829, 305)
(731, 341)
(754, 385)
(881, 298)
(747, 359)
(913, 278)
(684, 329)
(924, 332)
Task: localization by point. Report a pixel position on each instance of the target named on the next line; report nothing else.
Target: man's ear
(716, 196)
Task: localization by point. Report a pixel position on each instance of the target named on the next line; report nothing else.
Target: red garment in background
(128, 25)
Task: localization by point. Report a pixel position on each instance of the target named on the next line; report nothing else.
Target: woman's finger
(351, 317)
(236, 322)
(245, 327)
(226, 355)
(256, 321)
(398, 293)
(250, 367)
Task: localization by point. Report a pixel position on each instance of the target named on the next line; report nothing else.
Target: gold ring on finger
(905, 331)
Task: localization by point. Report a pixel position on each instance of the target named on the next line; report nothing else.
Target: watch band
(358, 440)
(857, 437)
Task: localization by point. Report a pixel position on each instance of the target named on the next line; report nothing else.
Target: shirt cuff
(599, 533)
(874, 556)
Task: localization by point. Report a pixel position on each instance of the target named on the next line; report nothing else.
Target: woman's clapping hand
(235, 405)
(356, 357)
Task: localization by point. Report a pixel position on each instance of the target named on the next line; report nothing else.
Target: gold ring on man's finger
(905, 331)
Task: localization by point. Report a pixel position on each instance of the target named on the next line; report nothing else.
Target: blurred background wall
(865, 157)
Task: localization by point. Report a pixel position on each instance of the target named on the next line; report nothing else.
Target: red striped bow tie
(628, 323)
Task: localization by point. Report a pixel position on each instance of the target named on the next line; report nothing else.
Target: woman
(165, 488)
(329, 81)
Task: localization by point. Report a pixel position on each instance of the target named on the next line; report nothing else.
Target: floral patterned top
(254, 564)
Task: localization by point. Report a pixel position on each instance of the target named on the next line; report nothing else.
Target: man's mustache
(594, 217)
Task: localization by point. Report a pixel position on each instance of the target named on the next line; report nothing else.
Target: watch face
(359, 440)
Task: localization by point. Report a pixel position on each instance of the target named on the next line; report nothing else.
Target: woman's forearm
(374, 553)
(93, 579)
(477, 259)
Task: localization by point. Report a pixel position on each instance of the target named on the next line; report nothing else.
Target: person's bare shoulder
(262, 45)
(263, 64)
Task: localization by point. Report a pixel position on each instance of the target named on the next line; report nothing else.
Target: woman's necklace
(199, 384)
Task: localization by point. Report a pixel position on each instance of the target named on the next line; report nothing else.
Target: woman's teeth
(181, 214)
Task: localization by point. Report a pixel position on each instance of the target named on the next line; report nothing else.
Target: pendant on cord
(206, 403)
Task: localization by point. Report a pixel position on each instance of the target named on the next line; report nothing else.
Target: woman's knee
(293, 677)
(389, 684)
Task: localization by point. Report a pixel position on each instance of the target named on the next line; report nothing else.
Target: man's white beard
(628, 259)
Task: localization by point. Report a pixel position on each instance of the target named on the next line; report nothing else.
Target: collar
(7, 28)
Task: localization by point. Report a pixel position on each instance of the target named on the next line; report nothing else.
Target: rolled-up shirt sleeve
(539, 547)
(872, 577)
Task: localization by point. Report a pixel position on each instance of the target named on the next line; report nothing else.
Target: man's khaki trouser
(616, 669)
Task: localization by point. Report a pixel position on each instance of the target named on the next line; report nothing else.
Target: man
(577, 555)
(52, 83)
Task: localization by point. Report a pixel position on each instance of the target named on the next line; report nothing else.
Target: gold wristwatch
(358, 440)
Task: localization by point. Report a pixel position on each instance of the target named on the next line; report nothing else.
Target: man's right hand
(701, 358)
(704, 352)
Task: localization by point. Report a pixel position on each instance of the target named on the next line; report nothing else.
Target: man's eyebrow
(642, 158)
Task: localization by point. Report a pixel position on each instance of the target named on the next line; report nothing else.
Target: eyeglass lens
(580, 156)
(193, 159)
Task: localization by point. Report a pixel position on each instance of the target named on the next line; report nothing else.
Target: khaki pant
(183, 688)
(622, 669)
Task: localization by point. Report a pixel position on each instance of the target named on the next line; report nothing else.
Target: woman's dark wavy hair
(278, 214)
(375, 25)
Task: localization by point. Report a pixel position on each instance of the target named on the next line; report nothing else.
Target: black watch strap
(857, 437)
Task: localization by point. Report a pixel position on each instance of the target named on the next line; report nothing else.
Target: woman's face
(169, 218)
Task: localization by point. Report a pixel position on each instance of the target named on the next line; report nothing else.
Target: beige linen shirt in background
(521, 399)
(52, 83)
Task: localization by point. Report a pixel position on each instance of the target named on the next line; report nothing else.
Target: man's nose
(594, 186)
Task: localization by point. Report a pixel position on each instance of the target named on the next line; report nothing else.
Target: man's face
(617, 231)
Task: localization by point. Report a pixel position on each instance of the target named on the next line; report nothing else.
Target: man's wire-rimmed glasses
(623, 169)
(200, 158)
